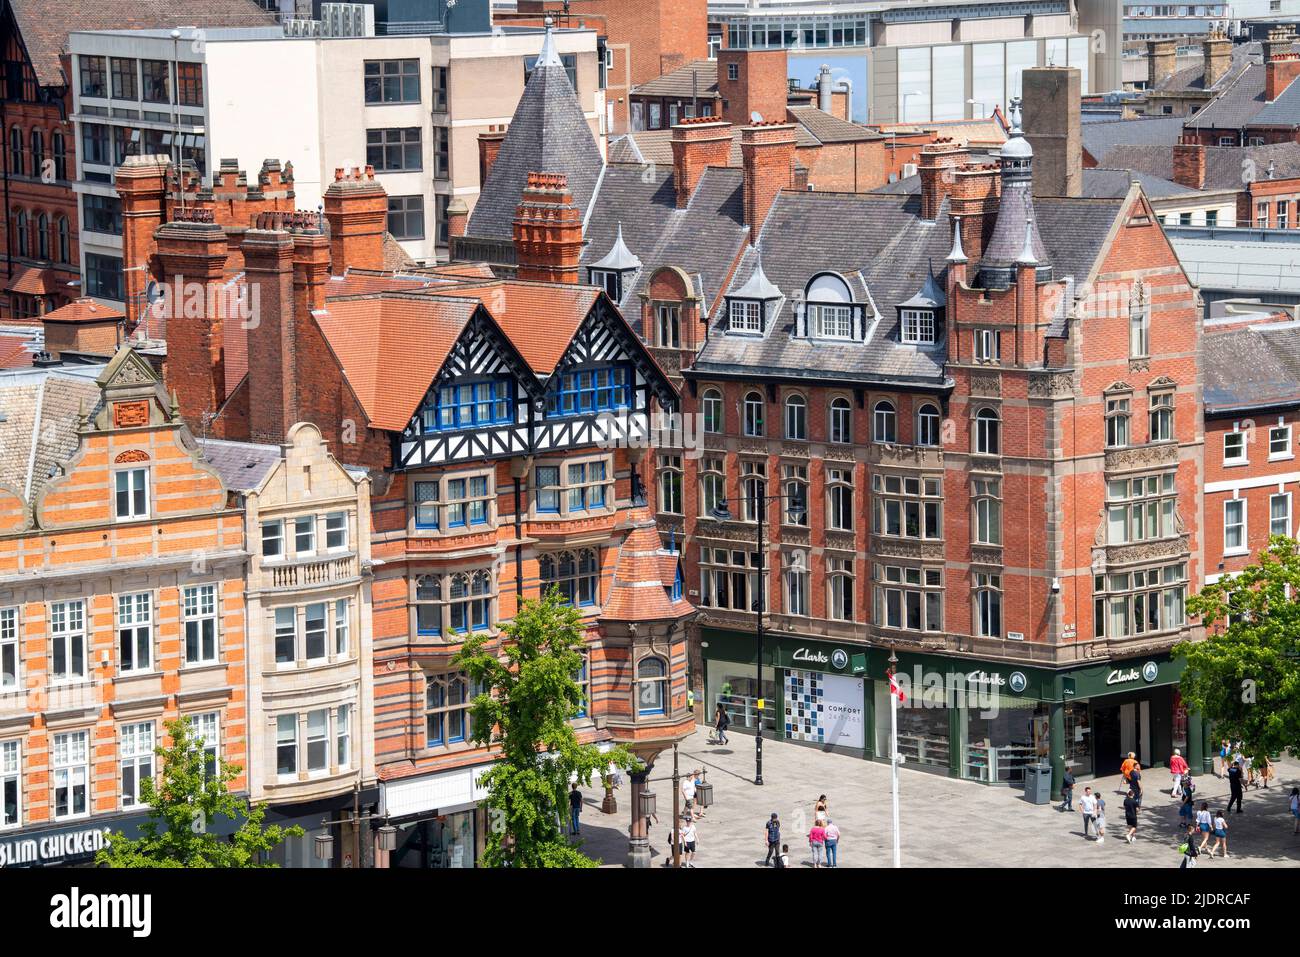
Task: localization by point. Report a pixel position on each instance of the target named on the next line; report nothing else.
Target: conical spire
(758, 286)
(958, 255)
(548, 56)
(1015, 236)
(1027, 257)
(619, 256)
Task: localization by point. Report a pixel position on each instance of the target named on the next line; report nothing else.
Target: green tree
(1245, 676)
(169, 838)
(525, 705)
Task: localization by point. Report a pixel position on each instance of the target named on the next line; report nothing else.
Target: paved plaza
(944, 822)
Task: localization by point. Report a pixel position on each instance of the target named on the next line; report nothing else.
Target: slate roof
(699, 77)
(45, 24)
(1255, 366)
(879, 244)
(547, 134)
(243, 466)
(703, 239)
(1100, 183)
(1100, 138)
(1223, 164)
(1241, 266)
(41, 407)
(1284, 111)
(828, 128)
(1236, 106)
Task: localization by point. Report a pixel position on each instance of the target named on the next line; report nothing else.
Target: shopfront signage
(45, 848)
(839, 658)
(1018, 682)
(1148, 673)
(988, 679)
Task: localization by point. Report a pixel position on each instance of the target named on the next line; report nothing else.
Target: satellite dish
(152, 293)
(756, 117)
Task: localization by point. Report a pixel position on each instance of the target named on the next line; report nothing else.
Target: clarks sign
(1148, 672)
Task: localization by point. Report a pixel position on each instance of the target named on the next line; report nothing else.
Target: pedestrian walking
(1295, 808)
(1266, 773)
(1186, 813)
(821, 811)
(783, 859)
(1221, 767)
(773, 832)
(1205, 823)
(720, 724)
(832, 843)
(1067, 790)
(1177, 768)
(1135, 782)
(687, 788)
(689, 838)
(1189, 849)
(575, 807)
(1220, 834)
(817, 841)
(1101, 818)
(1131, 805)
(1236, 780)
(1125, 769)
(1088, 807)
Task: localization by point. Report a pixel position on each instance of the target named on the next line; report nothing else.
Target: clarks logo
(1119, 676)
(76, 910)
(803, 654)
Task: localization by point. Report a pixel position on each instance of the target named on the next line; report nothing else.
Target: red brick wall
(760, 85)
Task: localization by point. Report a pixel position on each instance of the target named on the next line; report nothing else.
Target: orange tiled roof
(14, 353)
(356, 283)
(539, 318)
(84, 309)
(33, 281)
(641, 591)
(390, 347)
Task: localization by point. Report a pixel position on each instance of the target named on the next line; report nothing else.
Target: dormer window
(919, 326)
(610, 280)
(833, 322)
(829, 311)
(614, 271)
(745, 315)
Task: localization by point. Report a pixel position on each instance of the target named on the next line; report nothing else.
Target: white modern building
(921, 62)
(412, 106)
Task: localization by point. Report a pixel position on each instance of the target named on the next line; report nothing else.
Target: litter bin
(1038, 783)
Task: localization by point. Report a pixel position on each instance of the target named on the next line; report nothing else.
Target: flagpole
(893, 750)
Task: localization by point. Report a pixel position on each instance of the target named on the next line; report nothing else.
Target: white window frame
(745, 316)
(841, 589)
(714, 411)
(1287, 451)
(919, 327)
(668, 325)
(137, 499)
(1286, 519)
(670, 481)
(276, 527)
(326, 619)
(342, 627)
(304, 526)
(200, 731)
(833, 321)
(135, 754)
(70, 771)
(884, 422)
(1235, 529)
(319, 739)
(68, 625)
(758, 428)
(987, 345)
(988, 432)
(340, 520)
(929, 426)
(798, 586)
(194, 602)
(135, 615)
(343, 737)
(840, 425)
(796, 418)
(11, 776)
(289, 742)
(10, 648)
(1242, 458)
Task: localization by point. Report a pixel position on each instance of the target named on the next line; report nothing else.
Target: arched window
(927, 425)
(428, 605)
(796, 418)
(796, 585)
(753, 414)
(830, 307)
(841, 425)
(42, 236)
(885, 422)
(988, 438)
(65, 239)
(713, 412)
(21, 228)
(15, 151)
(60, 151)
(38, 151)
(652, 681)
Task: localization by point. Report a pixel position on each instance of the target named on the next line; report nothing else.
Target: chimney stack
(457, 217)
(272, 358)
(489, 145)
(1281, 66)
(192, 261)
(767, 153)
(1162, 60)
(1189, 165)
(1052, 98)
(697, 143)
(760, 85)
(973, 200)
(1218, 57)
(356, 207)
(937, 162)
(547, 230)
(142, 187)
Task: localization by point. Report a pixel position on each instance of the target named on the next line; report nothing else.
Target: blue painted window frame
(597, 389)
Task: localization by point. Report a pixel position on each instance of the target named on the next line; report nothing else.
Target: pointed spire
(548, 56)
(958, 255)
(619, 256)
(1027, 257)
(758, 285)
(176, 406)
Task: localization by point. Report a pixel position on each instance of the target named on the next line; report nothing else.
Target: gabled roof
(243, 466)
(391, 346)
(84, 310)
(39, 417)
(1223, 164)
(828, 128)
(1284, 111)
(45, 24)
(1242, 97)
(697, 78)
(1255, 366)
(1100, 138)
(548, 134)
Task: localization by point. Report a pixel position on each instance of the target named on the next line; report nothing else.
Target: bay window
(907, 506)
(909, 598)
(1138, 602)
(1142, 508)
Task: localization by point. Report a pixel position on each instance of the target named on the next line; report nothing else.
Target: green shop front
(976, 719)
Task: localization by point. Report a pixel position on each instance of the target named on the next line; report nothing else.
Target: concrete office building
(910, 62)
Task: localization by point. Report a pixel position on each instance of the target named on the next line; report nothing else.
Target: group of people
(823, 839)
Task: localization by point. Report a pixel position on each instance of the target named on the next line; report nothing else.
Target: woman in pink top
(1177, 768)
(817, 841)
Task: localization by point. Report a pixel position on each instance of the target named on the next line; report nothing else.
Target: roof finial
(958, 255)
(548, 56)
(1027, 257)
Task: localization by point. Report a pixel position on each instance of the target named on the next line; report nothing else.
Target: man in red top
(1126, 769)
(1177, 768)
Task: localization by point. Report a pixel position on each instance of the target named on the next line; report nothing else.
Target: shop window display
(1078, 738)
(1001, 740)
(446, 841)
(922, 729)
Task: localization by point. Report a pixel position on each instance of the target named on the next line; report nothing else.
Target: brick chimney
(548, 230)
(1282, 66)
(192, 253)
(1189, 165)
(974, 198)
(767, 153)
(272, 387)
(457, 217)
(489, 145)
(142, 188)
(937, 161)
(356, 207)
(311, 257)
(1052, 98)
(1162, 60)
(697, 143)
(760, 86)
(1217, 55)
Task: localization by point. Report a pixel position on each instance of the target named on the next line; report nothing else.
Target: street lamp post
(796, 512)
(980, 104)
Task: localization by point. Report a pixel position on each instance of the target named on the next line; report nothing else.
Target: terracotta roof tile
(540, 318)
(14, 352)
(359, 283)
(640, 591)
(84, 310)
(33, 281)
